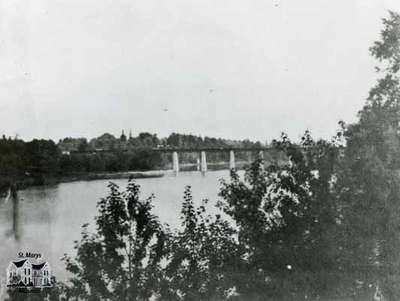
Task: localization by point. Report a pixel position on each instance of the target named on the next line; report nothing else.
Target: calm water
(50, 218)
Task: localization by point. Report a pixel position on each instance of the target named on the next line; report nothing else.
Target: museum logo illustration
(29, 271)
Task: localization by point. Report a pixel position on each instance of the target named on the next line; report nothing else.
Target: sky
(224, 68)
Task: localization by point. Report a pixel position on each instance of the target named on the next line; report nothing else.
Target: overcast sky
(227, 68)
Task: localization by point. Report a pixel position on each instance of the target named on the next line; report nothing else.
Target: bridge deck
(212, 149)
(185, 150)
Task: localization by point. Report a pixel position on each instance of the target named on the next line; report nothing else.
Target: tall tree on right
(368, 182)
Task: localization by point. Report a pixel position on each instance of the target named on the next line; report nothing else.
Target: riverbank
(25, 181)
(113, 175)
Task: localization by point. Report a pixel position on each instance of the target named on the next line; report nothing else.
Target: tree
(287, 218)
(42, 158)
(202, 255)
(83, 145)
(368, 182)
(121, 261)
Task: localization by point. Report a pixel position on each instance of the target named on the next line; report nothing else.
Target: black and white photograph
(200, 150)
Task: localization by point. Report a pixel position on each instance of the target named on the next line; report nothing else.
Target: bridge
(202, 151)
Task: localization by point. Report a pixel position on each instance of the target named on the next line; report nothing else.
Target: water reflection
(15, 210)
(14, 227)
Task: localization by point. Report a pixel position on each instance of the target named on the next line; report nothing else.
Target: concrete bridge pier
(175, 162)
(203, 162)
(261, 156)
(232, 160)
(249, 156)
(198, 164)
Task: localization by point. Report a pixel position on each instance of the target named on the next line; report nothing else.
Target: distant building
(123, 137)
(24, 273)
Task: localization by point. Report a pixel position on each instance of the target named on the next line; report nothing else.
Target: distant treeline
(44, 161)
(108, 142)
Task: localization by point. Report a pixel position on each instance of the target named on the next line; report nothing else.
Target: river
(49, 218)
